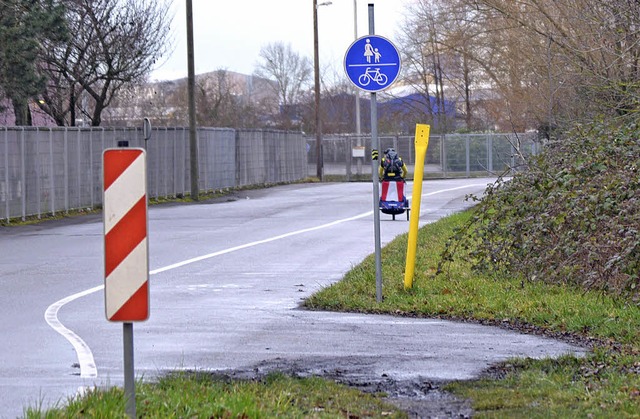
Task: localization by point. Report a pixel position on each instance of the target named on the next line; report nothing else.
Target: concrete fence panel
(53, 170)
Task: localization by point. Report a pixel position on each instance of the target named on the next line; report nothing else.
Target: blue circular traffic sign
(372, 63)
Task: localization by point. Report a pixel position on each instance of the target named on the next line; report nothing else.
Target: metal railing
(450, 155)
(52, 170)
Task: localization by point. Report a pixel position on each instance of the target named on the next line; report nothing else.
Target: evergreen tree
(24, 24)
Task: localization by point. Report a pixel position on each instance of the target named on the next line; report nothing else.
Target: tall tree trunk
(96, 116)
(467, 91)
(22, 112)
(72, 108)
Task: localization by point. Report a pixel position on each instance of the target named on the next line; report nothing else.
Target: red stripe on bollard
(125, 236)
(136, 308)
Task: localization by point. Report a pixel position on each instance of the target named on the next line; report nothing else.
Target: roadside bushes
(572, 217)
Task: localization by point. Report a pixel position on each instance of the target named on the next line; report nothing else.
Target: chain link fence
(451, 155)
(52, 170)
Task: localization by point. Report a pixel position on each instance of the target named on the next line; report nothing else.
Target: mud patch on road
(420, 398)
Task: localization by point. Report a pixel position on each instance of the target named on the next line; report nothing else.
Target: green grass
(600, 386)
(203, 395)
(605, 383)
(461, 293)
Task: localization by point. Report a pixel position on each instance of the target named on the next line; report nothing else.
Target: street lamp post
(316, 80)
(191, 77)
(355, 36)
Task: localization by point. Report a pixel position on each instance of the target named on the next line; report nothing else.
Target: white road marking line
(255, 243)
(85, 356)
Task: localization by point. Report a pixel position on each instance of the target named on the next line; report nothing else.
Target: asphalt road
(227, 277)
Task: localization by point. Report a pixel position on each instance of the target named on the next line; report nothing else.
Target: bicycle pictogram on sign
(372, 63)
(373, 75)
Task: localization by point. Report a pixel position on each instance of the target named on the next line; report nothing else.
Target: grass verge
(203, 395)
(605, 383)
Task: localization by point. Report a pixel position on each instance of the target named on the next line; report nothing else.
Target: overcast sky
(230, 33)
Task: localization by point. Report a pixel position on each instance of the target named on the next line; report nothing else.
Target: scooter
(392, 198)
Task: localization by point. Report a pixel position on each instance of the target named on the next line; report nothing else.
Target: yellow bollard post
(421, 143)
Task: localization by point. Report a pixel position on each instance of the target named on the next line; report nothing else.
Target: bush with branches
(572, 217)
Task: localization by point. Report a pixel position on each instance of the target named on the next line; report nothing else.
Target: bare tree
(223, 100)
(435, 41)
(114, 42)
(337, 103)
(459, 41)
(582, 57)
(291, 73)
(451, 56)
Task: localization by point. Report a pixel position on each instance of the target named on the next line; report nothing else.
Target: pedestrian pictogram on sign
(372, 63)
(126, 252)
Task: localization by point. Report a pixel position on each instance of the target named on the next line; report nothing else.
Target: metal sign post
(129, 370)
(372, 63)
(376, 196)
(126, 249)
